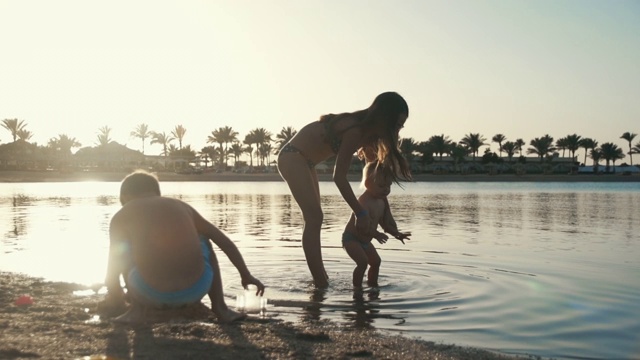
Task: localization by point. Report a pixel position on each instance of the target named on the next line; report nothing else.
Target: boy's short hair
(140, 182)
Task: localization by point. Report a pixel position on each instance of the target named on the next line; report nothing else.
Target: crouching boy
(160, 246)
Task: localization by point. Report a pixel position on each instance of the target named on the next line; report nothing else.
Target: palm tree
(596, 155)
(62, 145)
(223, 135)
(229, 135)
(499, 138)
(172, 149)
(519, 144)
(14, 125)
(510, 148)
(441, 144)
(217, 137)
(572, 143)
(248, 140)
(236, 151)
(185, 154)
(629, 137)
(458, 152)
(407, 148)
(474, 142)
(164, 140)
(636, 148)
(561, 144)
(204, 156)
(210, 152)
(260, 136)
(426, 149)
(611, 152)
(24, 134)
(141, 132)
(541, 146)
(178, 132)
(103, 136)
(264, 150)
(588, 144)
(283, 137)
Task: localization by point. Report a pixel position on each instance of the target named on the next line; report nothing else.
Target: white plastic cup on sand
(250, 302)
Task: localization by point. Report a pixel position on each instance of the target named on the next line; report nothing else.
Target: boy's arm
(115, 297)
(115, 264)
(225, 244)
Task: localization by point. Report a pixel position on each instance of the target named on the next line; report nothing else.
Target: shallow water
(550, 269)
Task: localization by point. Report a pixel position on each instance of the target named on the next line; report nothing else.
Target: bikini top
(334, 139)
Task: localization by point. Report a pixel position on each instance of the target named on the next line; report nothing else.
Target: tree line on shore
(226, 144)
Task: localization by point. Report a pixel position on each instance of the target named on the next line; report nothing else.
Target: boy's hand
(402, 236)
(250, 280)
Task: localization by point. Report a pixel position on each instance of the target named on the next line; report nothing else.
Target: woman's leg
(303, 183)
(316, 185)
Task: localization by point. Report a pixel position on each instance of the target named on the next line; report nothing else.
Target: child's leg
(374, 265)
(357, 253)
(216, 295)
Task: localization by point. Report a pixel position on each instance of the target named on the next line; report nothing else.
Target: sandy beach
(61, 325)
(56, 176)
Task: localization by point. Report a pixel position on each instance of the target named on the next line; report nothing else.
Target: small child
(377, 182)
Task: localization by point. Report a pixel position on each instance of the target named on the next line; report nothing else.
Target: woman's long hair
(384, 111)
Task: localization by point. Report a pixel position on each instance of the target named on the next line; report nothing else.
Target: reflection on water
(518, 267)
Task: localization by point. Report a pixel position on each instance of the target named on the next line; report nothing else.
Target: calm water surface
(551, 269)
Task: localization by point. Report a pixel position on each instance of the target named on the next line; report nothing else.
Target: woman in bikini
(340, 135)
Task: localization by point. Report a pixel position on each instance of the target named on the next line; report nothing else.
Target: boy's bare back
(163, 242)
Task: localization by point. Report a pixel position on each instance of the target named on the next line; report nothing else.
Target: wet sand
(60, 325)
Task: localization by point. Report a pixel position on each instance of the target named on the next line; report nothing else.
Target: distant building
(618, 169)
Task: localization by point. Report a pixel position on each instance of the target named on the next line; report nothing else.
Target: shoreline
(9, 176)
(61, 325)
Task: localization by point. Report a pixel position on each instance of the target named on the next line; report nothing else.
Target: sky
(521, 68)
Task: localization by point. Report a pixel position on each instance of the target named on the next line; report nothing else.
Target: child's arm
(388, 224)
(229, 248)
(387, 221)
(114, 302)
(381, 237)
(115, 264)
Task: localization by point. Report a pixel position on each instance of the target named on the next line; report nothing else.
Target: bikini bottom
(288, 148)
